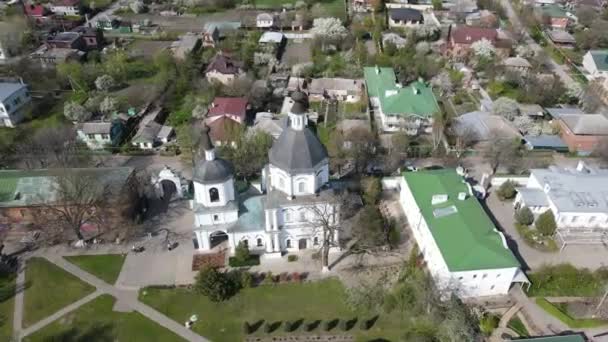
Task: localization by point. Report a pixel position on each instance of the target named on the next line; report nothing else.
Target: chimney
(416, 90)
(377, 70)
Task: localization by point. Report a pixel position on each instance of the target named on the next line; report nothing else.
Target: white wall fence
(518, 180)
(390, 183)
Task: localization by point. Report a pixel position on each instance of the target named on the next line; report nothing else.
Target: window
(459, 278)
(287, 215)
(214, 195)
(498, 275)
(22, 212)
(259, 242)
(574, 219)
(302, 216)
(474, 276)
(91, 136)
(302, 187)
(315, 241)
(216, 218)
(105, 136)
(492, 287)
(288, 243)
(485, 275)
(245, 243)
(592, 219)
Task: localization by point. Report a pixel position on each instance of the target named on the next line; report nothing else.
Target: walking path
(127, 298)
(19, 288)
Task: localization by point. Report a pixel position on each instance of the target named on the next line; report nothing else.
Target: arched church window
(260, 244)
(302, 187)
(245, 242)
(288, 243)
(214, 195)
(315, 241)
(287, 215)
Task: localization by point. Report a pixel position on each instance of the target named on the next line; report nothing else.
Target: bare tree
(52, 147)
(463, 139)
(80, 197)
(501, 150)
(601, 151)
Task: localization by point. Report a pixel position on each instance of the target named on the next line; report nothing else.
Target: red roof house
(34, 10)
(225, 116)
(461, 38)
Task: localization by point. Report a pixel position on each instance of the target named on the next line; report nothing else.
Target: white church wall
(225, 191)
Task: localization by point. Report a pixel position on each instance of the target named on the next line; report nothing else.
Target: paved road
(560, 70)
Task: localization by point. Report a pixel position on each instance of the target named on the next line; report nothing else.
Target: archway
(169, 188)
(216, 238)
(302, 244)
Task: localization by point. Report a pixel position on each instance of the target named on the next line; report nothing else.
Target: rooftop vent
(438, 199)
(442, 212)
(462, 196)
(416, 90)
(390, 93)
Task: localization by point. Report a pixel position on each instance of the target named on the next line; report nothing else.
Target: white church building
(286, 217)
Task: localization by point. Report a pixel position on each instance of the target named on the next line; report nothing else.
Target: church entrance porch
(302, 244)
(217, 238)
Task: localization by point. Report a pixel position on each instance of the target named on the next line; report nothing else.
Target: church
(295, 202)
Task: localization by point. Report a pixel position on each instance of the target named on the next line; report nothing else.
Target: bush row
(291, 326)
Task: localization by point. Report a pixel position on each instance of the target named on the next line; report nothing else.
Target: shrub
(216, 285)
(246, 280)
(268, 327)
(246, 328)
(545, 224)
(268, 279)
(524, 216)
(364, 324)
(327, 325)
(283, 277)
(296, 277)
(311, 326)
(241, 252)
(343, 325)
(506, 191)
(564, 280)
(292, 258)
(288, 326)
(488, 323)
(252, 260)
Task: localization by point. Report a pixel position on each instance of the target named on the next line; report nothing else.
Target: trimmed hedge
(253, 260)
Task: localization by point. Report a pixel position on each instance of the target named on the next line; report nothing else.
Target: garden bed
(558, 312)
(214, 260)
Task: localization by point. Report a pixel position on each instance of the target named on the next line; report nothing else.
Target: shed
(545, 142)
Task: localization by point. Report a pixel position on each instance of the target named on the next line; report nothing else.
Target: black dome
(212, 171)
(300, 102)
(297, 151)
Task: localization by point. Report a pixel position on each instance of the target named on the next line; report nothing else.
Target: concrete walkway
(126, 298)
(19, 288)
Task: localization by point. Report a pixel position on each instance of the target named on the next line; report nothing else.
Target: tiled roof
(223, 64)
(229, 105)
(408, 14)
(414, 99)
(8, 89)
(222, 129)
(469, 35)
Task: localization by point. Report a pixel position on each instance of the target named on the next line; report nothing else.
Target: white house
(284, 219)
(595, 62)
(66, 7)
(264, 20)
(96, 135)
(577, 197)
(14, 100)
(463, 250)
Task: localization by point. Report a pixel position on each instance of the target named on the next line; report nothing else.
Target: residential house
(101, 134)
(225, 117)
(461, 38)
(296, 185)
(27, 196)
(562, 38)
(319, 89)
(462, 249)
(582, 132)
(36, 12)
(532, 110)
(404, 17)
(93, 38)
(409, 108)
(14, 101)
(185, 45)
(66, 7)
(223, 69)
(265, 21)
(575, 196)
(480, 127)
(49, 57)
(483, 18)
(66, 40)
(151, 131)
(518, 64)
(554, 16)
(595, 62)
(269, 123)
(272, 38)
(214, 31)
(362, 5)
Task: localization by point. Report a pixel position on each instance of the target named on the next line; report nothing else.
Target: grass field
(96, 321)
(105, 267)
(554, 311)
(7, 302)
(49, 288)
(518, 326)
(308, 302)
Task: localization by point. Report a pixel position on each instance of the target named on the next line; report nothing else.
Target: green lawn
(49, 288)
(312, 301)
(334, 8)
(96, 321)
(272, 3)
(518, 326)
(566, 318)
(105, 267)
(7, 294)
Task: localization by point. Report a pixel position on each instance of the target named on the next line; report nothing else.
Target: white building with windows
(14, 100)
(578, 198)
(286, 218)
(462, 249)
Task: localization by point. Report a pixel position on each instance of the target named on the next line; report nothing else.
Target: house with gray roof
(481, 126)
(578, 198)
(14, 100)
(595, 62)
(582, 132)
(295, 186)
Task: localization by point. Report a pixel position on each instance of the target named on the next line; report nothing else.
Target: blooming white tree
(137, 6)
(483, 48)
(423, 48)
(527, 125)
(574, 90)
(443, 82)
(74, 111)
(524, 51)
(506, 108)
(105, 83)
(108, 105)
(426, 31)
(331, 28)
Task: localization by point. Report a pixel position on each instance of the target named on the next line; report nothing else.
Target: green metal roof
(562, 338)
(414, 99)
(600, 58)
(463, 232)
(553, 11)
(33, 187)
